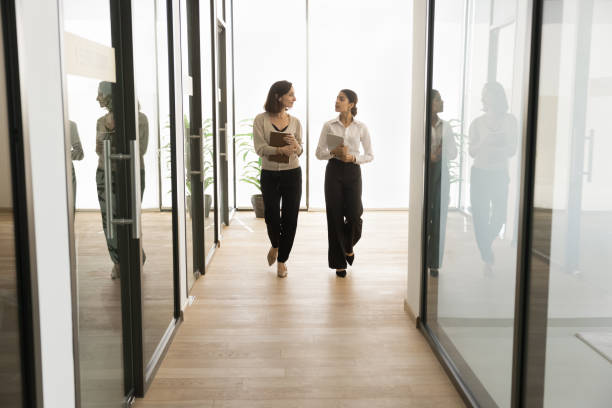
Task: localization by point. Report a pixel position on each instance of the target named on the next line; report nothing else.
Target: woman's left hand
(348, 158)
(291, 140)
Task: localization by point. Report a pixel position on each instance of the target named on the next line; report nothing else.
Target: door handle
(136, 199)
(110, 225)
(134, 158)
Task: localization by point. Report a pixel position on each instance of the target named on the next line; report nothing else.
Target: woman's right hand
(287, 150)
(340, 151)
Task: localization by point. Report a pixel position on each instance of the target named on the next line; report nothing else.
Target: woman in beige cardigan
(281, 175)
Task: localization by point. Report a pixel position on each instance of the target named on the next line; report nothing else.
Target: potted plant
(207, 163)
(251, 170)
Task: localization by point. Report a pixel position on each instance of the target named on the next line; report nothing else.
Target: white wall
(43, 119)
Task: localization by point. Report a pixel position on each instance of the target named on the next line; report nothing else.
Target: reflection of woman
(493, 138)
(343, 180)
(105, 130)
(280, 181)
(442, 150)
(76, 153)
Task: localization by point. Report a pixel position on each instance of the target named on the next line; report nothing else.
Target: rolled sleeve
(298, 137)
(322, 152)
(366, 142)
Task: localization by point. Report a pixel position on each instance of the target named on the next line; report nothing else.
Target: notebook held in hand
(277, 139)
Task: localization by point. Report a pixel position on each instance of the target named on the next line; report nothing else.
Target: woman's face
(343, 104)
(288, 99)
(100, 99)
(437, 104)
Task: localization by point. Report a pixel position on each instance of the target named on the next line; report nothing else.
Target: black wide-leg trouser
(344, 210)
(281, 186)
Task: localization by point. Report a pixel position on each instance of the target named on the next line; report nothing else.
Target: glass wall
(474, 166)
(208, 152)
(573, 201)
(556, 350)
(90, 100)
(11, 384)
(365, 46)
(151, 90)
(269, 46)
(375, 63)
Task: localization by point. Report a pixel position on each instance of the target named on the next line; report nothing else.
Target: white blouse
(354, 135)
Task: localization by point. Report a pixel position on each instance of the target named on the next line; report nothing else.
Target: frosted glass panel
(364, 46)
(269, 46)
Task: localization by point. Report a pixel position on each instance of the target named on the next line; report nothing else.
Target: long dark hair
(277, 90)
(352, 97)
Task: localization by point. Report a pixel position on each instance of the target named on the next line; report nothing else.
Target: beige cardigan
(262, 127)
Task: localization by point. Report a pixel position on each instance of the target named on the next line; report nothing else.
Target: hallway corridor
(311, 340)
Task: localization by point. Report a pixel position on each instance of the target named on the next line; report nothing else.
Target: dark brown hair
(277, 90)
(352, 97)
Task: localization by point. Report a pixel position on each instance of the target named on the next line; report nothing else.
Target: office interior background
(519, 309)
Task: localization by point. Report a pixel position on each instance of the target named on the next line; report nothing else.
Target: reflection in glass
(572, 214)
(189, 199)
(473, 169)
(157, 269)
(10, 361)
(492, 141)
(99, 297)
(208, 152)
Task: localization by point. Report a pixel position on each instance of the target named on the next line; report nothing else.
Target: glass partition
(90, 100)
(11, 385)
(572, 214)
(474, 167)
(365, 46)
(261, 57)
(152, 94)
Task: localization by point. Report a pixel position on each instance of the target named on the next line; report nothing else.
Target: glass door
(117, 98)
(93, 96)
(12, 385)
(196, 139)
(210, 142)
(475, 117)
(223, 136)
(153, 112)
(572, 212)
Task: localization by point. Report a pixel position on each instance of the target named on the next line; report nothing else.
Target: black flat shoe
(350, 258)
(341, 274)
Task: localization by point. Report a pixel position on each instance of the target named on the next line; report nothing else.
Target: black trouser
(344, 210)
(281, 186)
(437, 211)
(489, 198)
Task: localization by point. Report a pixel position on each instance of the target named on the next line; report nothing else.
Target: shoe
(272, 254)
(350, 258)
(115, 272)
(341, 273)
(487, 269)
(281, 270)
(433, 272)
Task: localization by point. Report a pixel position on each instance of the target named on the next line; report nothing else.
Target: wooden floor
(310, 340)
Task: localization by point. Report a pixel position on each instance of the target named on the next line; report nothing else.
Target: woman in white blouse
(281, 175)
(343, 179)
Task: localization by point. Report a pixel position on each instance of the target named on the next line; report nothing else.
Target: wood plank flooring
(251, 339)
